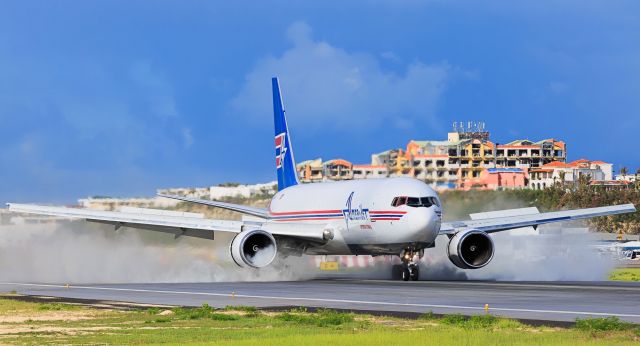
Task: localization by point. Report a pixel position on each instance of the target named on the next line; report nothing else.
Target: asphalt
(545, 301)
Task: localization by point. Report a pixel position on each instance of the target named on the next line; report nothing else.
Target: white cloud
(329, 87)
(187, 138)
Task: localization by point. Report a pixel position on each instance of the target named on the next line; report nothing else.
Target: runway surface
(551, 301)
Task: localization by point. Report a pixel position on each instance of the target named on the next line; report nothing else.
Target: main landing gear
(409, 269)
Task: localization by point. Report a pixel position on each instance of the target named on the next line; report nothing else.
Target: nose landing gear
(410, 271)
(409, 267)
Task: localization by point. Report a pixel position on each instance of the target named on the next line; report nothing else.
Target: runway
(549, 301)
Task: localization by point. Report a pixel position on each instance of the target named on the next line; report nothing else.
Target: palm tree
(623, 171)
(562, 175)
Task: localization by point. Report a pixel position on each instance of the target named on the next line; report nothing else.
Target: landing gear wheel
(414, 272)
(405, 274)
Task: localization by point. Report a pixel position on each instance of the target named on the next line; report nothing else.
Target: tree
(562, 175)
(623, 170)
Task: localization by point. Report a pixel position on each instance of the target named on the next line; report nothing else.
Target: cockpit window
(415, 202)
(398, 201)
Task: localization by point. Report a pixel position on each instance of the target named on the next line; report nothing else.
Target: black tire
(405, 274)
(414, 273)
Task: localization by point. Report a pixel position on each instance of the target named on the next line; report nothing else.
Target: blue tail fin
(285, 164)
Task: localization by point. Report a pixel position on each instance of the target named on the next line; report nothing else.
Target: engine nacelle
(254, 248)
(470, 249)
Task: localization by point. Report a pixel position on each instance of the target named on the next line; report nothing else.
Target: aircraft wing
(511, 221)
(259, 212)
(191, 226)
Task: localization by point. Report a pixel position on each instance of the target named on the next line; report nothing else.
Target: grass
(625, 274)
(242, 325)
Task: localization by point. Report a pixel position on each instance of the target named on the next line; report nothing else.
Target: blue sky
(122, 97)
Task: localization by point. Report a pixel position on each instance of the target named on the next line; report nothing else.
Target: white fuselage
(361, 216)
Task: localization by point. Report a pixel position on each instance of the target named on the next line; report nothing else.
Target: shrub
(321, 318)
(223, 317)
(243, 308)
(603, 324)
(153, 311)
(454, 320)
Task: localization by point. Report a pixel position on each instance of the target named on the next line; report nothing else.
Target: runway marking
(364, 302)
(523, 285)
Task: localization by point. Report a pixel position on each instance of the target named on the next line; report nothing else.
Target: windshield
(415, 202)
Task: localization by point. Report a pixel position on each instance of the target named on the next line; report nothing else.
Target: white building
(213, 192)
(246, 191)
(569, 173)
(626, 177)
(369, 171)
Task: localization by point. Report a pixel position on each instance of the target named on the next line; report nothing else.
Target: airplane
(397, 216)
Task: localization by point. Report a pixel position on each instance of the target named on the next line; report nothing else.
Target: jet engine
(470, 249)
(253, 248)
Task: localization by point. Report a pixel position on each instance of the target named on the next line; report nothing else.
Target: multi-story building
(524, 153)
(369, 171)
(338, 169)
(467, 159)
(310, 171)
(315, 170)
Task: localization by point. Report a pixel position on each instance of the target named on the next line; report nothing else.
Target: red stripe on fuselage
(305, 212)
(310, 219)
(387, 212)
(283, 213)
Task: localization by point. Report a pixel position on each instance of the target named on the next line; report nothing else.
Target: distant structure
(569, 174)
(212, 192)
(466, 159)
(473, 130)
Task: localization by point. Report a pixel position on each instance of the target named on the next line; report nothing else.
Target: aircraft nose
(425, 223)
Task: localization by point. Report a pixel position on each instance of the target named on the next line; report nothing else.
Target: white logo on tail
(281, 149)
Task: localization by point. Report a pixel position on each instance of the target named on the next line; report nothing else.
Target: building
(213, 193)
(111, 204)
(397, 162)
(468, 159)
(503, 178)
(337, 169)
(310, 171)
(569, 173)
(523, 153)
(611, 184)
(369, 171)
(627, 177)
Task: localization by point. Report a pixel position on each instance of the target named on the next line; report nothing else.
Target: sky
(119, 98)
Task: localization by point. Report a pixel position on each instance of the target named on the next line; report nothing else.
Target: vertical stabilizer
(285, 164)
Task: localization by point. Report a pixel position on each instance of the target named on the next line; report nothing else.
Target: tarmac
(540, 301)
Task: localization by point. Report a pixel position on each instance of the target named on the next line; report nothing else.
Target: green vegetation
(604, 324)
(625, 274)
(57, 307)
(30, 323)
(322, 318)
